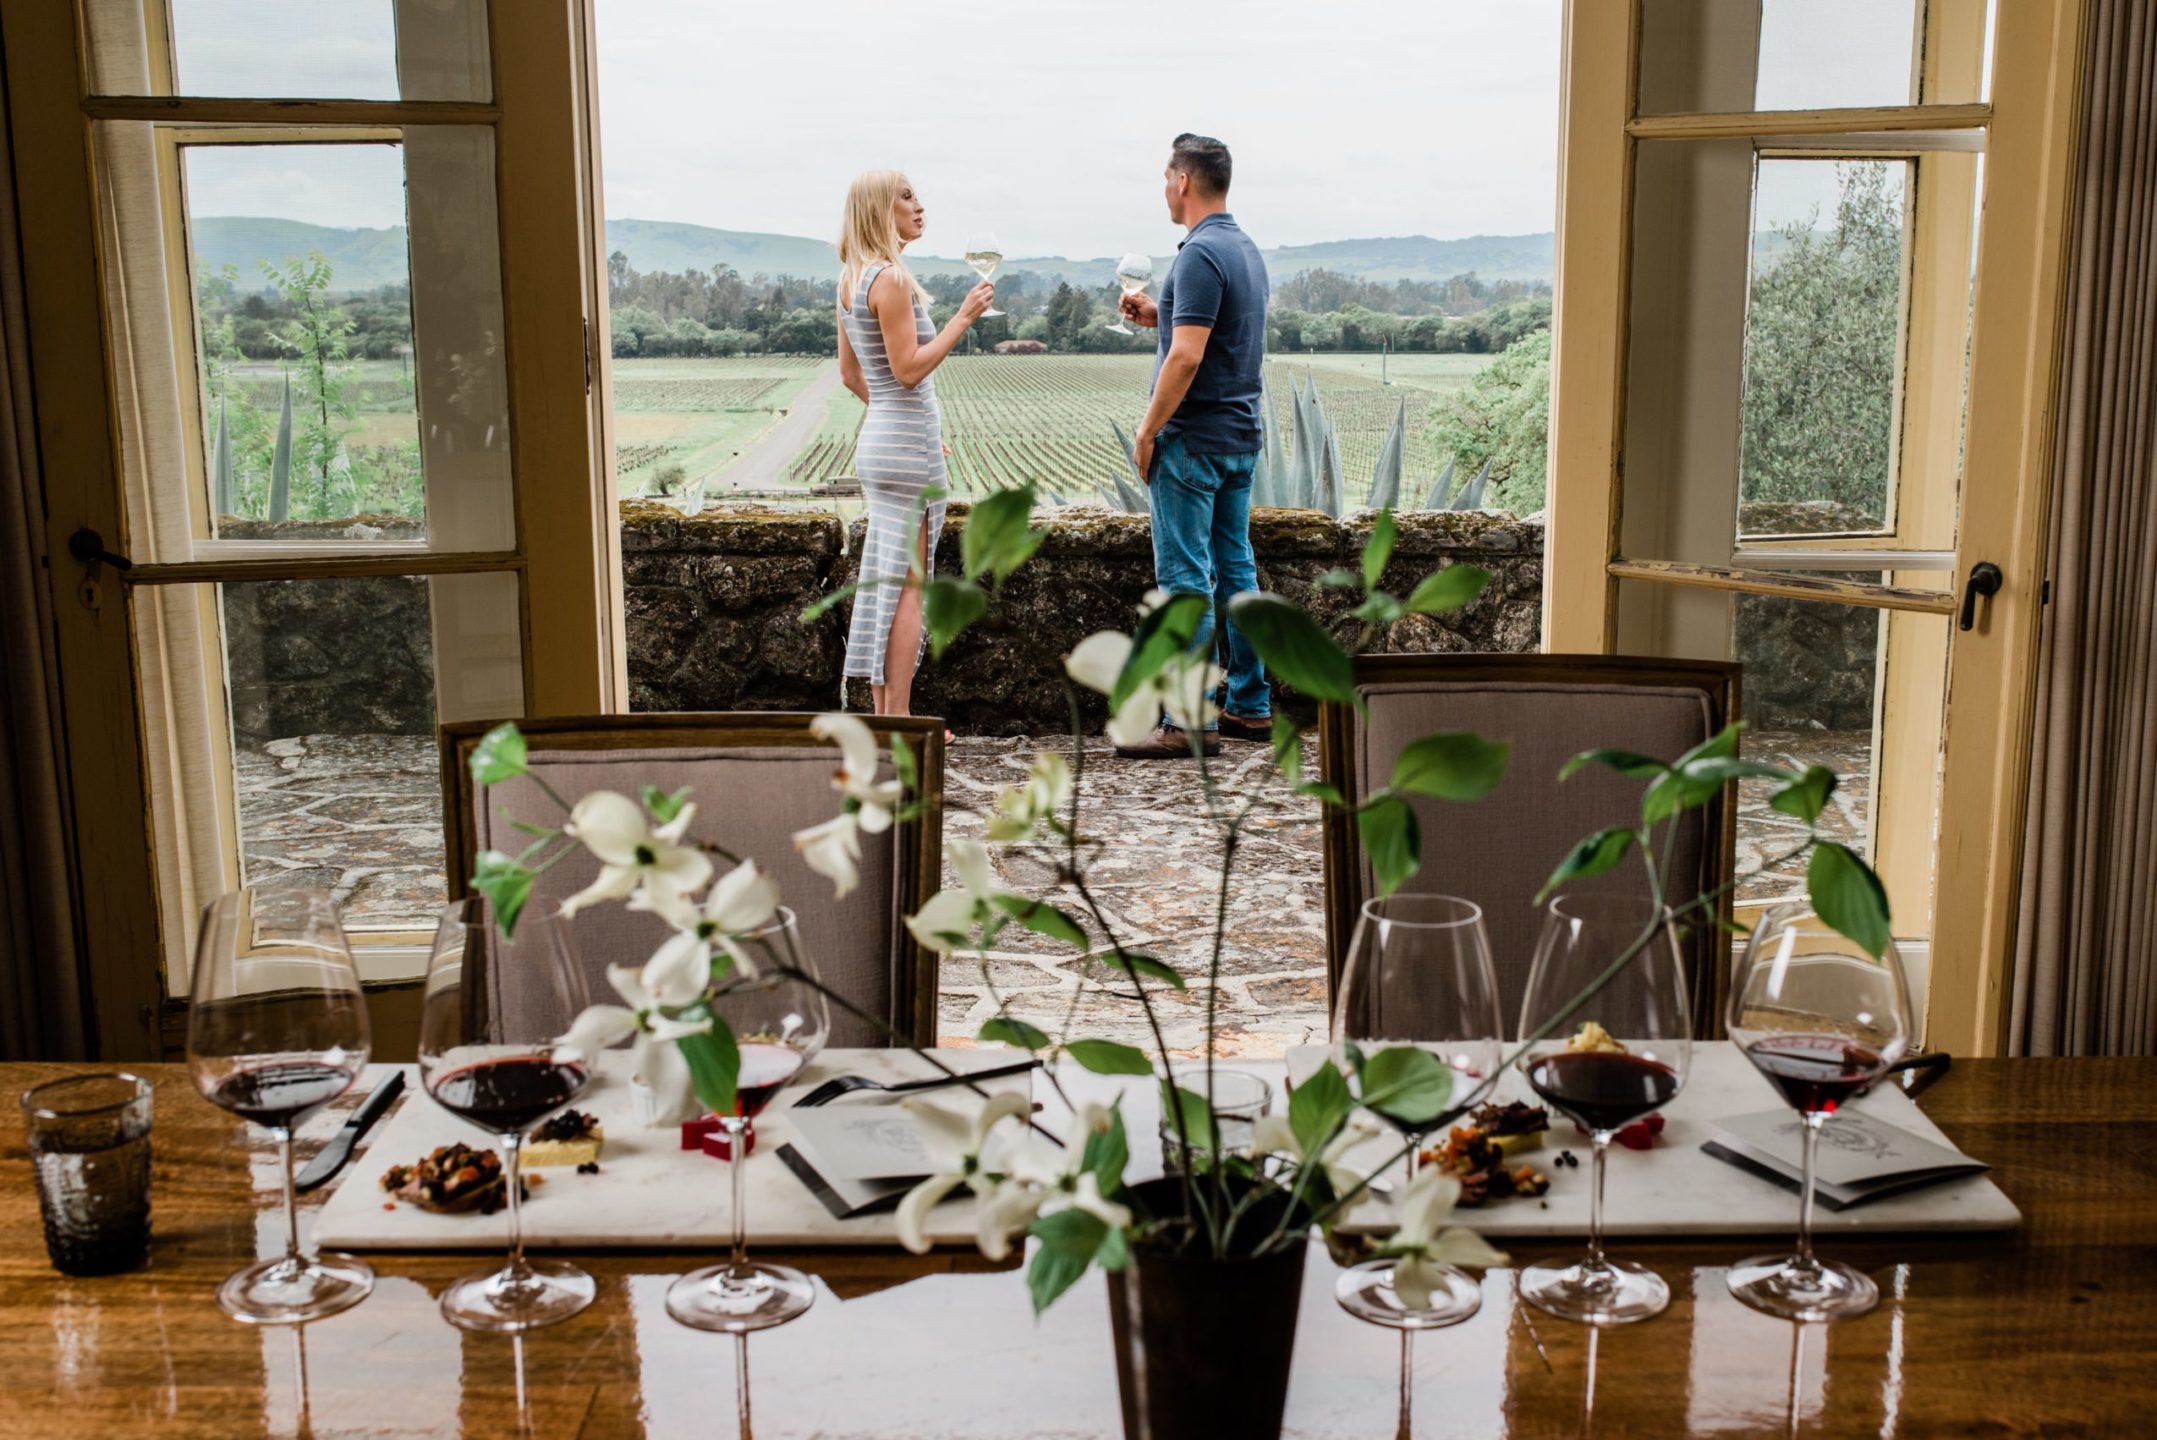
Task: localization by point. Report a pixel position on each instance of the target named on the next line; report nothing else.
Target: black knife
(331, 1158)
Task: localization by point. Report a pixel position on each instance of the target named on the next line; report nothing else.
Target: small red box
(716, 1146)
(694, 1131)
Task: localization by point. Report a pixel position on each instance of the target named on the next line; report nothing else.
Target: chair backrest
(756, 778)
(1499, 851)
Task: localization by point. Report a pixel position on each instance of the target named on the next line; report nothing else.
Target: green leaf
(1692, 783)
(1340, 580)
(664, 807)
(1592, 856)
(1378, 608)
(499, 755)
(1847, 895)
(1108, 1151)
(1043, 919)
(506, 884)
(1627, 763)
(1013, 1032)
(1318, 1107)
(1379, 548)
(948, 607)
(1319, 789)
(1106, 1057)
(526, 827)
(1460, 766)
(1197, 1117)
(1806, 796)
(1287, 747)
(998, 538)
(714, 1063)
(1115, 1251)
(1720, 746)
(1135, 964)
(1408, 1084)
(1393, 840)
(903, 765)
(1294, 647)
(1163, 633)
(1443, 591)
(1052, 1271)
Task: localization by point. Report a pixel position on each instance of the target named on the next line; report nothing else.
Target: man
(1198, 445)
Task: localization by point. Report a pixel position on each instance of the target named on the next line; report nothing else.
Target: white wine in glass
(984, 253)
(1133, 273)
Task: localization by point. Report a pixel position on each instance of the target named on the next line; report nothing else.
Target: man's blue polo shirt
(1218, 280)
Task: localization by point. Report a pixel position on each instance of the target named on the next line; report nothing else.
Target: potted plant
(1204, 1266)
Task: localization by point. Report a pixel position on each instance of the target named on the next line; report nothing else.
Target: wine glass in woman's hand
(276, 1029)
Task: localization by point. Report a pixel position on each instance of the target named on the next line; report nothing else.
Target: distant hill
(365, 258)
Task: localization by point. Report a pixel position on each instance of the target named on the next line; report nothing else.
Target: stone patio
(362, 814)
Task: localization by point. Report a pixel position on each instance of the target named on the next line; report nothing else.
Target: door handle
(1985, 580)
(87, 546)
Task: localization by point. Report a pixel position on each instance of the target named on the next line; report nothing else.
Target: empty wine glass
(780, 1020)
(1822, 1020)
(489, 1017)
(984, 252)
(1418, 973)
(1619, 1046)
(276, 1029)
(1132, 273)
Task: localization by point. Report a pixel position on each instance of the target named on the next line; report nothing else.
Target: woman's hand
(977, 300)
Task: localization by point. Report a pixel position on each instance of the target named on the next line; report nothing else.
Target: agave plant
(1386, 475)
(281, 461)
(221, 464)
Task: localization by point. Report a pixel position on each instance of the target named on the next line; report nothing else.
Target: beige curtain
(2086, 948)
(41, 981)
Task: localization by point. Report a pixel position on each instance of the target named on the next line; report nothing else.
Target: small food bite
(454, 1180)
(570, 1138)
(1515, 1128)
(1592, 1038)
(1479, 1162)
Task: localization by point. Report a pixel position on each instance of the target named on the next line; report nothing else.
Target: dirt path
(763, 465)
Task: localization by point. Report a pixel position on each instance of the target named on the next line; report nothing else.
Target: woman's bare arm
(891, 300)
(850, 364)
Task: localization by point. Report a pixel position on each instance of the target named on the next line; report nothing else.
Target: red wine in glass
(280, 1096)
(1816, 1073)
(509, 1095)
(1602, 1090)
(765, 1070)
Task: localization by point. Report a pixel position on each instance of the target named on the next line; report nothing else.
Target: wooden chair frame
(920, 842)
(1716, 680)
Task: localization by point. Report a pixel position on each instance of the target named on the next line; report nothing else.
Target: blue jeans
(1202, 546)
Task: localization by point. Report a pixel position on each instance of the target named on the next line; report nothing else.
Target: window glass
(1731, 55)
(323, 49)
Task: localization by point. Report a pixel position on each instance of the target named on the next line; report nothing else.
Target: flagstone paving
(362, 815)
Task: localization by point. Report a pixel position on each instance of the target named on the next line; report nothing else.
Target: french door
(1810, 256)
(309, 290)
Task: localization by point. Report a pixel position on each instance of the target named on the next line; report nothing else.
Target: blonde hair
(869, 232)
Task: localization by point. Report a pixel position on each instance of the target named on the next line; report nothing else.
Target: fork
(839, 1085)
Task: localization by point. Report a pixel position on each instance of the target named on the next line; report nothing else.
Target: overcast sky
(1046, 122)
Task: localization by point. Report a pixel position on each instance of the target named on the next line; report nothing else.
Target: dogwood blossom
(955, 1144)
(949, 916)
(1183, 688)
(744, 901)
(1422, 1247)
(654, 1058)
(859, 756)
(1044, 793)
(633, 853)
(1273, 1135)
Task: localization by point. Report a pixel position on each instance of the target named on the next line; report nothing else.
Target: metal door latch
(88, 547)
(1984, 582)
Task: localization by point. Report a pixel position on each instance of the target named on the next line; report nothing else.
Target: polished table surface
(2051, 1330)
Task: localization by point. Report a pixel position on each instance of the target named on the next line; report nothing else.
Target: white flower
(955, 913)
(1038, 1179)
(1044, 792)
(1273, 1135)
(634, 853)
(1422, 1246)
(954, 1143)
(1183, 687)
(856, 777)
(654, 1058)
(833, 850)
(744, 901)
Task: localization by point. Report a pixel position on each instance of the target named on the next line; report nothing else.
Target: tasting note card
(1861, 1158)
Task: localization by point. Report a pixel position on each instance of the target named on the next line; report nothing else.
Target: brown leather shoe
(1237, 727)
(1166, 743)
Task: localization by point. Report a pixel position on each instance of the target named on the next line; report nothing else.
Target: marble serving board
(649, 1192)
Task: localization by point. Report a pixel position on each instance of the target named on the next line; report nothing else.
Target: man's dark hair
(1204, 159)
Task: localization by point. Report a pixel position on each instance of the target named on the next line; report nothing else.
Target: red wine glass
(276, 1029)
(1608, 992)
(1418, 973)
(492, 1009)
(1821, 1020)
(780, 1019)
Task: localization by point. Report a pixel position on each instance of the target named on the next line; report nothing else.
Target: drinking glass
(1240, 1099)
(490, 1013)
(984, 252)
(276, 1029)
(780, 1020)
(89, 1138)
(1822, 1020)
(1611, 962)
(1132, 273)
(1419, 973)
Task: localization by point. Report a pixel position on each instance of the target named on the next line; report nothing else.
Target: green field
(1007, 418)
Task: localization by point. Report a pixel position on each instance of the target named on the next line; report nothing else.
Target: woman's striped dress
(898, 454)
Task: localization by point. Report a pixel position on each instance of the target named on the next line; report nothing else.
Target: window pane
(1822, 347)
(1731, 55)
(349, 50)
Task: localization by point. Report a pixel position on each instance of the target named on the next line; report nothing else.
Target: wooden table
(2051, 1330)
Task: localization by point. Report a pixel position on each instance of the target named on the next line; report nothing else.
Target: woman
(888, 350)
